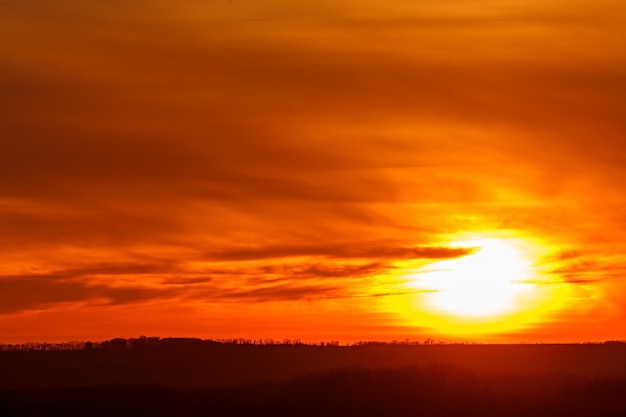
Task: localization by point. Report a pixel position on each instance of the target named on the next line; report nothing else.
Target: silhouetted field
(185, 377)
(426, 391)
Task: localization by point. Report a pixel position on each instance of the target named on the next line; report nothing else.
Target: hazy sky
(290, 169)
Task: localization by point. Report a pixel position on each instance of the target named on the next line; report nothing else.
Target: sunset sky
(324, 170)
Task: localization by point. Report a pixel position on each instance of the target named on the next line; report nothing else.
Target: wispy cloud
(45, 292)
(355, 251)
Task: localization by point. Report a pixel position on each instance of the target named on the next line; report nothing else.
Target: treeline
(427, 391)
(152, 341)
(143, 342)
(146, 342)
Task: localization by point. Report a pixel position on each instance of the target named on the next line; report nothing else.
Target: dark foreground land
(185, 377)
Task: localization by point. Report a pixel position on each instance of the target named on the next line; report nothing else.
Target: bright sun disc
(484, 283)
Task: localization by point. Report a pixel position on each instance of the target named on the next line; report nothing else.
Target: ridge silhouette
(178, 376)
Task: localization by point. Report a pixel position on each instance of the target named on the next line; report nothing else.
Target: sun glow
(485, 282)
(495, 287)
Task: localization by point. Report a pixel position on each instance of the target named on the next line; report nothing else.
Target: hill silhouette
(152, 376)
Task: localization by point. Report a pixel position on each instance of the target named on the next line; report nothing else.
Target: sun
(501, 285)
(487, 282)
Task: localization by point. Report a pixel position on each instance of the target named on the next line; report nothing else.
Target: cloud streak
(355, 251)
(37, 293)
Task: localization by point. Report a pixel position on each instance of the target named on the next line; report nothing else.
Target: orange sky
(291, 169)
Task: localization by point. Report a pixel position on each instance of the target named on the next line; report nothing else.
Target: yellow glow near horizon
(481, 284)
(496, 288)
